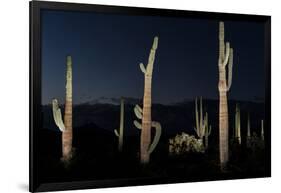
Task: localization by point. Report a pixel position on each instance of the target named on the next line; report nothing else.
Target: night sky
(106, 50)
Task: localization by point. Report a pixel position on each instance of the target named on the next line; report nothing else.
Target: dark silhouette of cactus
(248, 130)
(146, 147)
(121, 127)
(202, 128)
(66, 126)
(237, 124)
(262, 130)
(225, 57)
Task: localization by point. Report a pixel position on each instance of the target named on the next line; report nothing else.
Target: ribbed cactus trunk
(223, 131)
(146, 120)
(225, 57)
(146, 147)
(67, 134)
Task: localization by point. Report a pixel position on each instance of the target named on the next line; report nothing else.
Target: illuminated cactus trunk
(146, 120)
(66, 126)
(146, 147)
(121, 127)
(67, 134)
(225, 57)
(237, 124)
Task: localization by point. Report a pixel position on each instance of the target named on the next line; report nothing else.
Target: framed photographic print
(123, 96)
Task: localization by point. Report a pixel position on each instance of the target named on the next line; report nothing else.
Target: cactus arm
(230, 66)
(227, 51)
(57, 115)
(142, 68)
(139, 108)
(137, 124)
(116, 132)
(138, 113)
(155, 43)
(158, 129)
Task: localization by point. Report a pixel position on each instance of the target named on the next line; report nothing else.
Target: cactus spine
(262, 130)
(121, 127)
(202, 129)
(237, 124)
(225, 57)
(66, 126)
(145, 113)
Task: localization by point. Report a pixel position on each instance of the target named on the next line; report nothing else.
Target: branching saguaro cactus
(146, 147)
(202, 128)
(121, 128)
(66, 126)
(225, 57)
(237, 124)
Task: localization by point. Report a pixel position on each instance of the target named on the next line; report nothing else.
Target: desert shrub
(184, 143)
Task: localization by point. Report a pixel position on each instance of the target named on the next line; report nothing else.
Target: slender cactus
(202, 128)
(146, 147)
(237, 124)
(66, 126)
(248, 131)
(200, 120)
(208, 129)
(262, 130)
(248, 126)
(121, 127)
(225, 57)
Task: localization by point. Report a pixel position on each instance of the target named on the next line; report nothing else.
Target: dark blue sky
(106, 50)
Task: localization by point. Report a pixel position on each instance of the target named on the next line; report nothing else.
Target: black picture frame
(35, 84)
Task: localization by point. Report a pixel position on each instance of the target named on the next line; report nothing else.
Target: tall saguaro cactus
(66, 126)
(202, 129)
(237, 124)
(225, 57)
(146, 147)
(121, 127)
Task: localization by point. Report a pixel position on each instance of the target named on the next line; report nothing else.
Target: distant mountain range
(112, 101)
(104, 113)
